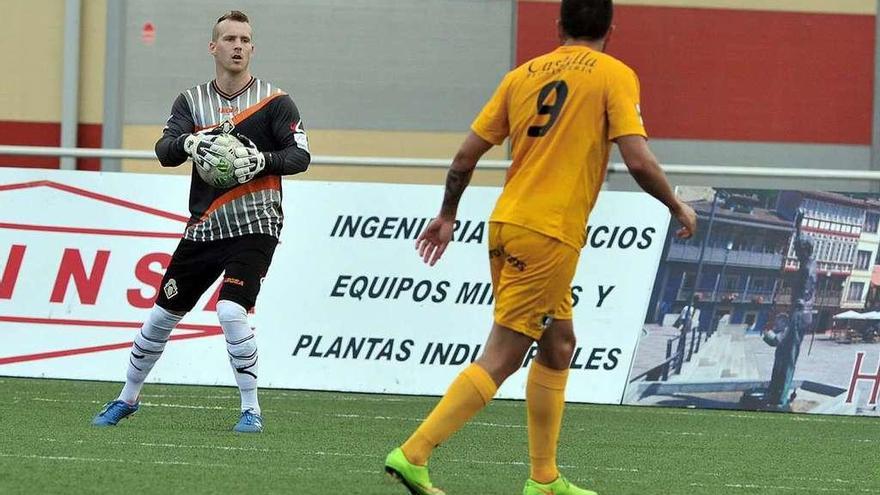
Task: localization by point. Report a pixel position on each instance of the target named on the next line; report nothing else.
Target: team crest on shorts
(546, 321)
(170, 288)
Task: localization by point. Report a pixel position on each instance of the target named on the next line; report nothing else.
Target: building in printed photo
(748, 261)
(740, 266)
(845, 238)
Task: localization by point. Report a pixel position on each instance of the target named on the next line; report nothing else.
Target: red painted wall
(47, 134)
(718, 74)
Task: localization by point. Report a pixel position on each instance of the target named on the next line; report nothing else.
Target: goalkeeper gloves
(248, 160)
(204, 151)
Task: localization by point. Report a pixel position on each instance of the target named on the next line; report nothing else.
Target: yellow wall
(347, 143)
(93, 37)
(823, 6)
(33, 39)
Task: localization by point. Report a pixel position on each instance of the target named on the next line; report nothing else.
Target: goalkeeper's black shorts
(195, 266)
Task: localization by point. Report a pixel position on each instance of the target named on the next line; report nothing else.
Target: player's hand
(248, 160)
(204, 151)
(687, 218)
(433, 240)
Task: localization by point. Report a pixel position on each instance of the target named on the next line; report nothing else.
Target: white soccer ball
(222, 175)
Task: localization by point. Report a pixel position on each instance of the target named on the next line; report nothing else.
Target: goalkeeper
(232, 231)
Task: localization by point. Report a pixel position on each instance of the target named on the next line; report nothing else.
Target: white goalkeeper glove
(204, 151)
(248, 160)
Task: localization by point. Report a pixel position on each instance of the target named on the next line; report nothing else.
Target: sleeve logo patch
(299, 136)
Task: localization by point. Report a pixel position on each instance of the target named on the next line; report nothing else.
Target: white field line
(395, 418)
(289, 452)
(734, 487)
(705, 434)
(721, 475)
(755, 416)
(753, 486)
(319, 453)
(409, 419)
(165, 445)
(504, 463)
(378, 418)
(610, 469)
(267, 395)
(713, 435)
(713, 413)
(159, 463)
(281, 411)
(117, 461)
(270, 394)
(627, 409)
(274, 396)
(151, 404)
(729, 486)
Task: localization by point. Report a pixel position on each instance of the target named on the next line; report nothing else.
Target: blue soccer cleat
(113, 412)
(249, 422)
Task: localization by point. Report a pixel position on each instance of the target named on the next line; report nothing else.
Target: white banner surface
(347, 304)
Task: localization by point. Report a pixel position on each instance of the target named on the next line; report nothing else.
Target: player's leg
(512, 334)
(149, 343)
(245, 269)
(145, 351)
(545, 398)
(469, 393)
(548, 375)
(472, 390)
(188, 275)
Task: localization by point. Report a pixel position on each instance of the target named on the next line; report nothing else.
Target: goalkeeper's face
(233, 47)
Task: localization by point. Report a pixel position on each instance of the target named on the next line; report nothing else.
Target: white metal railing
(376, 161)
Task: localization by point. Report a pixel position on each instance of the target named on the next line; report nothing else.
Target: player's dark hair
(232, 15)
(586, 19)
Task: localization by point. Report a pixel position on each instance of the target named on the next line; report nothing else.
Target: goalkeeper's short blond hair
(232, 15)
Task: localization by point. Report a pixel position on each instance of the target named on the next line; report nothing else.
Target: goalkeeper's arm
(169, 148)
(294, 156)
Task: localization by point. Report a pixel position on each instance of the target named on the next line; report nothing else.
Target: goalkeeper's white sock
(241, 343)
(148, 346)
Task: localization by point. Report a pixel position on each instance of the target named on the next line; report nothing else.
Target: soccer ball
(222, 175)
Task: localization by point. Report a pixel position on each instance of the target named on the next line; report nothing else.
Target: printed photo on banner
(773, 305)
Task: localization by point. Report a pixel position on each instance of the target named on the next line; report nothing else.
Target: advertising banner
(361, 311)
(347, 304)
(774, 305)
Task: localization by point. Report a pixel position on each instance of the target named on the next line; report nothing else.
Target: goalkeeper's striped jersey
(266, 115)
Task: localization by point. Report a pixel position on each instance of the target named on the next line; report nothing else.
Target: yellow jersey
(561, 111)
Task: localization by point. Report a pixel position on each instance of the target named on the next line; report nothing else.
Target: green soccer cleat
(559, 487)
(414, 478)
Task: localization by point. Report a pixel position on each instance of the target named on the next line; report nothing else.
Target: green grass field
(333, 443)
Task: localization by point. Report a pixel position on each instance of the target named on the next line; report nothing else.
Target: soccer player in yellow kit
(561, 111)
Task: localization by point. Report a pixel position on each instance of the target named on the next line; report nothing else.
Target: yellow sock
(545, 400)
(468, 393)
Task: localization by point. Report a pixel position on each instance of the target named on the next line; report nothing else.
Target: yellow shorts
(531, 278)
